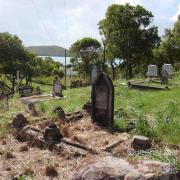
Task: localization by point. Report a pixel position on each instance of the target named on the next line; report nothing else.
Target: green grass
(166, 156)
(73, 100)
(155, 113)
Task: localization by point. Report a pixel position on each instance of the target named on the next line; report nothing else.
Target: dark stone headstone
(103, 100)
(60, 113)
(164, 77)
(52, 134)
(19, 121)
(25, 90)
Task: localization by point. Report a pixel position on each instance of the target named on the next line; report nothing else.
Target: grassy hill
(48, 50)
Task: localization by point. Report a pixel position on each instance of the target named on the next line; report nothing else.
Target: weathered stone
(32, 109)
(52, 134)
(88, 107)
(19, 121)
(152, 71)
(25, 90)
(169, 69)
(94, 73)
(103, 101)
(38, 90)
(141, 143)
(60, 113)
(104, 168)
(164, 77)
(57, 88)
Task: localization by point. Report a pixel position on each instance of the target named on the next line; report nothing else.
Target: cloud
(175, 17)
(62, 22)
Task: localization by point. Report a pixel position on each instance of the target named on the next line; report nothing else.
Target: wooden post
(65, 69)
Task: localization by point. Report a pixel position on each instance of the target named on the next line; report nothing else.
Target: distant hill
(48, 50)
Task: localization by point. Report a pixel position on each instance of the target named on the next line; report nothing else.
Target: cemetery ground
(154, 114)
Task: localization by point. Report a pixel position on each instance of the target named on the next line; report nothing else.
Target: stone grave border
(35, 99)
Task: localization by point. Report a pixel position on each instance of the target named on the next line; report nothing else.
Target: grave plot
(60, 149)
(38, 98)
(146, 86)
(155, 81)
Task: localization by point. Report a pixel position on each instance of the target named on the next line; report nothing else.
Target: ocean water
(60, 59)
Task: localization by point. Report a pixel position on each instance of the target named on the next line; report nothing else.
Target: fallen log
(33, 128)
(87, 148)
(113, 145)
(69, 150)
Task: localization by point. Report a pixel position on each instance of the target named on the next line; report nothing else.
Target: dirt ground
(18, 158)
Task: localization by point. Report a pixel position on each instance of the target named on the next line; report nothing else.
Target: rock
(108, 167)
(141, 143)
(32, 109)
(52, 134)
(88, 107)
(60, 113)
(19, 121)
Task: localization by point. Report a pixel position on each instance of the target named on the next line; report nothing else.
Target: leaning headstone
(152, 71)
(169, 69)
(164, 77)
(94, 73)
(103, 101)
(57, 89)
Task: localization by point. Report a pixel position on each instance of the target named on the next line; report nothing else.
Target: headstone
(94, 73)
(103, 100)
(25, 90)
(164, 77)
(169, 69)
(57, 89)
(38, 90)
(52, 134)
(19, 121)
(152, 71)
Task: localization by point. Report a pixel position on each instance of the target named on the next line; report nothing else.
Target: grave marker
(152, 71)
(94, 73)
(164, 77)
(169, 69)
(25, 90)
(103, 100)
(57, 89)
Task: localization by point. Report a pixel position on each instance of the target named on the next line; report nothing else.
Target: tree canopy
(127, 29)
(85, 53)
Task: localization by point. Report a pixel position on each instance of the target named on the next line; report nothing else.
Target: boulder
(60, 113)
(113, 168)
(19, 121)
(141, 143)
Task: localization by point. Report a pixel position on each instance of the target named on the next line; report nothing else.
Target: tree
(85, 53)
(127, 29)
(12, 56)
(169, 49)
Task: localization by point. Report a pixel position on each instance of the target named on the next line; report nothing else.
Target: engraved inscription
(101, 97)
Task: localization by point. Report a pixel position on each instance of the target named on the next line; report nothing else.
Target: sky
(62, 22)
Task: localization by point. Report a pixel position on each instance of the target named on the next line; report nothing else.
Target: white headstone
(169, 69)
(152, 71)
(94, 73)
